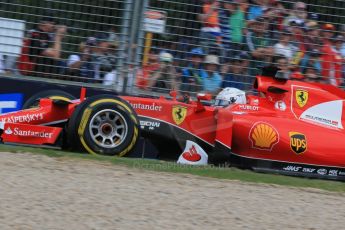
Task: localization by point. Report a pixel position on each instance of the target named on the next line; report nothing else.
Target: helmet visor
(224, 103)
(221, 103)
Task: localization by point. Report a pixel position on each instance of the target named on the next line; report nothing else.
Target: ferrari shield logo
(302, 97)
(179, 113)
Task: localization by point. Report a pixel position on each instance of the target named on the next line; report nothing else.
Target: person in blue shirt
(211, 78)
(191, 75)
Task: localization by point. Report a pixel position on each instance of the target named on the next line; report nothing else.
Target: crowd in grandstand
(236, 38)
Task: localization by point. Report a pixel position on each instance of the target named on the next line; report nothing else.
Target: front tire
(105, 125)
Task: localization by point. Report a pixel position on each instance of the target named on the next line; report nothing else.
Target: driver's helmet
(230, 96)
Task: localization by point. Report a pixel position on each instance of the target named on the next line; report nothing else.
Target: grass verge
(207, 171)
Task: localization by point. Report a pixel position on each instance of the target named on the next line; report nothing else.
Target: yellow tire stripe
(62, 98)
(85, 118)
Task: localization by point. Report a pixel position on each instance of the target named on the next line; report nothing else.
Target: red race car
(290, 127)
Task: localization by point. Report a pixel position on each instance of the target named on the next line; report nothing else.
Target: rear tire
(105, 125)
(52, 94)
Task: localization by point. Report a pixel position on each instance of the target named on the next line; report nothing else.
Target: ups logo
(298, 142)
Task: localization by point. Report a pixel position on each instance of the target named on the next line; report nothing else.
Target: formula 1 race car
(289, 127)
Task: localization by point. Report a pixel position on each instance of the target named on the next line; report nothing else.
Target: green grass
(206, 171)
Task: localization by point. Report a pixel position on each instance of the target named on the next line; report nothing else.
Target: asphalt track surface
(39, 192)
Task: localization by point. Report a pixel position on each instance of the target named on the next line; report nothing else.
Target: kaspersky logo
(298, 142)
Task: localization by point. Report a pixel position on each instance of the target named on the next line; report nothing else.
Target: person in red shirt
(330, 63)
(144, 74)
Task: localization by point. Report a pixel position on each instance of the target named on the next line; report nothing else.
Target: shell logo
(263, 136)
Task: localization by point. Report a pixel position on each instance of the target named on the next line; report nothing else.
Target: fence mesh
(158, 45)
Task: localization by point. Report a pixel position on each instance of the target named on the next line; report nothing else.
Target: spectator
(312, 36)
(283, 47)
(191, 75)
(80, 64)
(331, 66)
(145, 73)
(165, 78)
(235, 77)
(103, 61)
(312, 75)
(297, 41)
(45, 47)
(245, 64)
(259, 45)
(342, 33)
(2, 65)
(282, 63)
(275, 13)
(211, 78)
(210, 31)
(225, 11)
(238, 24)
(339, 44)
(311, 60)
(298, 13)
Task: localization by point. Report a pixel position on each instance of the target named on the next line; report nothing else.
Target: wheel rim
(108, 128)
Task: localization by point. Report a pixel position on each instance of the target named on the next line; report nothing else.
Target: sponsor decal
(321, 120)
(327, 113)
(308, 170)
(151, 107)
(150, 124)
(179, 113)
(249, 107)
(292, 168)
(27, 133)
(298, 142)
(263, 136)
(10, 102)
(341, 173)
(8, 131)
(333, 172)
(192, 154)
(255, 101)
(280, 105)
(26, 118)
(301, 97)
(322, 171)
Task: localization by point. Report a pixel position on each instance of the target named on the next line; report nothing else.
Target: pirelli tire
(52, 94)
(105, 125)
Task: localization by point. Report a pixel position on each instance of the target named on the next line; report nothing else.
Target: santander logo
(192, 155)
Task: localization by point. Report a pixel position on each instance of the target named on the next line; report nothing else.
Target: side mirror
(173, 94)
(204, 97)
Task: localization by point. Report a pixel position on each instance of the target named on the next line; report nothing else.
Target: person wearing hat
(164, 79)
(79, 64)
(259, 45)
(210, 76)
(298, 13)
(330, 62)
(45, 49)
(191, 75)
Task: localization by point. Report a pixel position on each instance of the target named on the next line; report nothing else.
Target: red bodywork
(289, 126)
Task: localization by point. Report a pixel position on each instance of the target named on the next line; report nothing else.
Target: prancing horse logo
(179, 113)
(302, 97)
